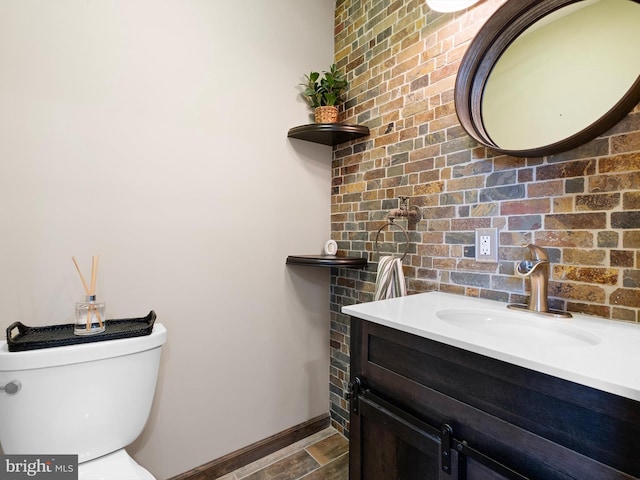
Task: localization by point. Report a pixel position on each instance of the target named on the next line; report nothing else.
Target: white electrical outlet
(487, 245)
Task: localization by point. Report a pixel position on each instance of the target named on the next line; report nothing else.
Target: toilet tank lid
(84, 352)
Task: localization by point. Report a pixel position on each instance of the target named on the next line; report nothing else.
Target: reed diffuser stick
(92, 290)
(84, 284)
(94, 273)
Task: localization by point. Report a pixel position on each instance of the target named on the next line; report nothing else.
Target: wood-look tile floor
(323, 456)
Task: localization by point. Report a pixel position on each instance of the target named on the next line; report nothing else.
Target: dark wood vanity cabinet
(424, 410)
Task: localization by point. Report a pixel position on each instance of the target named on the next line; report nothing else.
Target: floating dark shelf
(326, 261)
(328, 133)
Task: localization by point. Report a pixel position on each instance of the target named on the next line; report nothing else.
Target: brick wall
(582, 205)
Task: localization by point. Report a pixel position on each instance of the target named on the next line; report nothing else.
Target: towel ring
(404, 230)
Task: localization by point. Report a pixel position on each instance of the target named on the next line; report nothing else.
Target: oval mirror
(545, 76)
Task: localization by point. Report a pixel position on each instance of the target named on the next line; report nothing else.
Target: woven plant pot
(326, 114)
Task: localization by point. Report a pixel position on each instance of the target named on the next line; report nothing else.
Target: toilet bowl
(91, 399)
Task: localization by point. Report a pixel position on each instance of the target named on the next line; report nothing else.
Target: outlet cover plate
(487, 237)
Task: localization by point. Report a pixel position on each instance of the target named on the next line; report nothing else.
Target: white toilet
(91, 399)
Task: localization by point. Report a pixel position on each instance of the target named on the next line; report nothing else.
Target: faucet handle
(538, 253)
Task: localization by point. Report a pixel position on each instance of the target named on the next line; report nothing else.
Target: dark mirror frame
(495, 36)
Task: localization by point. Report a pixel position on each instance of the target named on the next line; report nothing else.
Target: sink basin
(519, 327)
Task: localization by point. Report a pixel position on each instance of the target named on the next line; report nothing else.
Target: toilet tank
(89, 399)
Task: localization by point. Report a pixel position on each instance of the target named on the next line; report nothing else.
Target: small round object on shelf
(330, 248)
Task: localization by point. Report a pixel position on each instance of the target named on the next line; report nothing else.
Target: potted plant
(325, 93)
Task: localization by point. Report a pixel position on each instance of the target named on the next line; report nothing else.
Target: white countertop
(605, 354)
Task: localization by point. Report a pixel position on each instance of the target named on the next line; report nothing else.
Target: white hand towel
(390, 280)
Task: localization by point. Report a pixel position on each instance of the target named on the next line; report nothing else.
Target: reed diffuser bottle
(90, 317)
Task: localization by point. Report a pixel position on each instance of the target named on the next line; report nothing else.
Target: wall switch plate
(487, 245)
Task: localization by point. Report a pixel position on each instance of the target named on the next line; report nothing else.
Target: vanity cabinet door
(392, 445)
(389, 443)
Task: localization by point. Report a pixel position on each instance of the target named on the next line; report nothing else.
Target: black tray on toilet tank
(34, 338)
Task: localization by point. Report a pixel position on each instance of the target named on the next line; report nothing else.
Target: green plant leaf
(326, 90)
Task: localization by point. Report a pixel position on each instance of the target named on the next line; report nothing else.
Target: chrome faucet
(537, 270)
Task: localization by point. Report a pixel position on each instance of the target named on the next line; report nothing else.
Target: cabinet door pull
(353, 391)
(446, 432)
